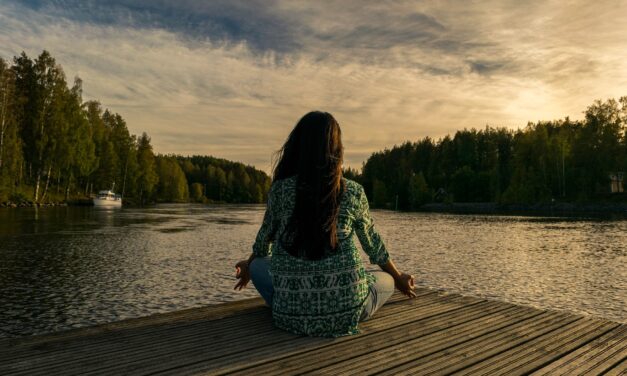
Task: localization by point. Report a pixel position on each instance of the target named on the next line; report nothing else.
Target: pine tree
(148, 177)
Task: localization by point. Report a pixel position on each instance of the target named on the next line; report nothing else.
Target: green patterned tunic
(324, 297)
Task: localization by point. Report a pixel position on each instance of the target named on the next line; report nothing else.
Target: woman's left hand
(242, 273)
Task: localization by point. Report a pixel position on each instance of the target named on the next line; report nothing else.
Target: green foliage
(419, 192)
(379, 193)
(197, 192)
(172, 185)
(226, 181)
(18, 197)
(350, 173)
(10, 142)
(54, 145)
(148, 178)
(564, 160)
(470, 186)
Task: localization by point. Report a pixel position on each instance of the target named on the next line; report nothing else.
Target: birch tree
(10, 144)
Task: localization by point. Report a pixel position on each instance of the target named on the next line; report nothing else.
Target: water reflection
(70, 266)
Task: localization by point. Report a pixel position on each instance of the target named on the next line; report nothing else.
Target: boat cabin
(108, 195)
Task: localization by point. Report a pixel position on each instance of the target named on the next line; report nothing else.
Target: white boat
(108, 199)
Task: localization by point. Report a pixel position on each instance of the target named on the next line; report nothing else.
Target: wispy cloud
(231, 78)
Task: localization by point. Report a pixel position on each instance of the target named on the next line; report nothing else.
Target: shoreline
(561, 208)
(30, 204)
(88, 202)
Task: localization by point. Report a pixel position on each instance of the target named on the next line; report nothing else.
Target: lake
(68, 267)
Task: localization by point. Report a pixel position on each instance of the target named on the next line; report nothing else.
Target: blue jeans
(378, 293)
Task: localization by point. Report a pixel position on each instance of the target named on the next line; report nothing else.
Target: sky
(231, 78)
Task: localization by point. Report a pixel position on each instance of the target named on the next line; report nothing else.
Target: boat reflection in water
(108, 199)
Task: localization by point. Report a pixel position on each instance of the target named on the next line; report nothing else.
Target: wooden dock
(436, 333)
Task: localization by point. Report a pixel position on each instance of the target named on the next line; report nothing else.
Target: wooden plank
(211, 312)
(132, 337)
(437, 345)
(191, 319)
(220, 356)
(115, 352)
(594, 358)
(460, 356)
(418, 346)
(122, 344)
(409, 307)
(350, 347)
(542, 350)
(95, 357)
(619, 369)
(217, 359)
(434, 334)
(129, 335)
(135, 339)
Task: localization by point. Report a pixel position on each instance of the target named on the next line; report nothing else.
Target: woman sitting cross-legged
(304, 262)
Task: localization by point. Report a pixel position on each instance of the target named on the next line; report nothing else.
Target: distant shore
(561, 208)
(558, 208)
(30, 204)
(86, 202)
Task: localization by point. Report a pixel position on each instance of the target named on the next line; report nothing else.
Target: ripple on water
(74, 267)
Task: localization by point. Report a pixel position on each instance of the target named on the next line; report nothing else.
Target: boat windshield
(107, 195)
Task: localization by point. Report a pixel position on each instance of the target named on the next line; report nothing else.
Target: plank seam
(247, 367)
(523, 319)
(561, 355)
(400, 342)
(614, 366)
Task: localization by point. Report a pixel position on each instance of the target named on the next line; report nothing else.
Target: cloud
(220, 21)
(231, 78)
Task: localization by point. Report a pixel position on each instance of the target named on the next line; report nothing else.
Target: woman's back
(315, 280)
(322, 297)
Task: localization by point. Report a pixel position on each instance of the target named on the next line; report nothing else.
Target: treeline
(54, 146)
(209, 179)
(561, 160)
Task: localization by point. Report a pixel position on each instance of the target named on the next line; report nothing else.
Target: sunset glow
(230, 79)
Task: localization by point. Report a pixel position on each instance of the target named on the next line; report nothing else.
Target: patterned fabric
(323, 297)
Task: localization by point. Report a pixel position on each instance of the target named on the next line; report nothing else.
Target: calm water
(70, 267)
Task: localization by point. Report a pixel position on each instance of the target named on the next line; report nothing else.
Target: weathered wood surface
(434, 334)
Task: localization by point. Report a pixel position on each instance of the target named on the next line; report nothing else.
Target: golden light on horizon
(389, 73)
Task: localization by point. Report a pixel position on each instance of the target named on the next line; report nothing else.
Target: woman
(313, 277)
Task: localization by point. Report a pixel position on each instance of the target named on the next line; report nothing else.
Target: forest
(547, 161)
(56, 147)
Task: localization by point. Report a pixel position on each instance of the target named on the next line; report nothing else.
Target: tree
(197, 192)
(7, 95)
(49, 137)
(419, 192)
(49, 83)
(379, 193)
(221, 183)
(10, 142)
(172, 186)
(148, 178)
(76, 156)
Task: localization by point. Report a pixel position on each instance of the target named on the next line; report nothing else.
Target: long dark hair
(313, 152)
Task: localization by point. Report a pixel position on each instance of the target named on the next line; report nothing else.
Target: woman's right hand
(405, 284)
